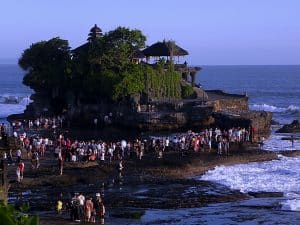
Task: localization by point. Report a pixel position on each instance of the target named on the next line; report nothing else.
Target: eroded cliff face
(293, 127)
(220, 110)
(259, 120)
(235, 104)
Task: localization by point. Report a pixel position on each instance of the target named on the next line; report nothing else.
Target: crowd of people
(40, 122)
(84, 208)
(65, 150)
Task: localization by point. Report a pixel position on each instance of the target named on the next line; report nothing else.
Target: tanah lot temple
(205, 108)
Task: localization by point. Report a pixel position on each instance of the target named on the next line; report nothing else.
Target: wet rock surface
(293, 127)
(164, 184)
(122, 193)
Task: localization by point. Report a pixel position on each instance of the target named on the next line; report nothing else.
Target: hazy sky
(215, 32)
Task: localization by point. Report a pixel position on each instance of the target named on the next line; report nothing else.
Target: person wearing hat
(99, 208)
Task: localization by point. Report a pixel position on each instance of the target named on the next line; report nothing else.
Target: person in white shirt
(18, 154)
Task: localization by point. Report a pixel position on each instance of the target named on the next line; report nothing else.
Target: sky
(214, 32)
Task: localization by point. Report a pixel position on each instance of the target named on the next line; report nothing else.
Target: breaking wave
(292, 109)
(12, 105)
(280, 175)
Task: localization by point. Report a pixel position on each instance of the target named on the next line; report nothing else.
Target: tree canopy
(100, 69)
(48, 65)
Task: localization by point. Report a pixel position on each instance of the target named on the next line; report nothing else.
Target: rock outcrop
(259, 120)
(214, 109)
(293, 127)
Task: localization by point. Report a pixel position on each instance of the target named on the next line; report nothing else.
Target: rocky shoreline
(218, 109)
(166, 183)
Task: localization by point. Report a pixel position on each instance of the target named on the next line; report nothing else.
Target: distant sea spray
(14, 96)
(12, 105)
(292, 109)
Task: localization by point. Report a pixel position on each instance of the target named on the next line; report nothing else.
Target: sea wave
(12, 105)
(280, 175)
(12, 99)
(291, 109)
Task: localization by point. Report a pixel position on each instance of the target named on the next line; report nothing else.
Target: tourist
(81, 200)
(226, 146)
(110, 152)
(292, 140)
(261, 143)
(35, 161)
(220, 147)
(88, 209)
(21, 167)
(18, 154)
(99, 208)
(18, 173)
(59, 206)
(102, 213)
(60, 164)
(15, 135)
(75, 207)
(120, 168)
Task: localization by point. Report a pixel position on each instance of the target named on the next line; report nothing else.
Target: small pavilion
(170, 50)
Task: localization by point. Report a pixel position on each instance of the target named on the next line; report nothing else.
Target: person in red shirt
(21, 168)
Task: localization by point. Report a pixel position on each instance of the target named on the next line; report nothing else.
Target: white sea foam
(275, 143)
(292, 109)
(266, 107)
(280, 175)
(12, 105)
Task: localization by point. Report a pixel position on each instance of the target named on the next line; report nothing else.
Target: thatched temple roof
(164, 48)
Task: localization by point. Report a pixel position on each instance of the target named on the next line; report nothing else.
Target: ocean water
(14, 96)
(270, 88)
(275, 89)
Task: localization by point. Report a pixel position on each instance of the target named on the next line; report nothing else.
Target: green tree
(105, 65)
(133, 82)
(99, 70)
(119, 45)
(48, 66)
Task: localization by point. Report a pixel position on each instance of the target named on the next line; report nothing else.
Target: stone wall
(222, 101)
(221, 109)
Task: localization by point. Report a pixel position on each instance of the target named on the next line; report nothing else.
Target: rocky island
(112, 79)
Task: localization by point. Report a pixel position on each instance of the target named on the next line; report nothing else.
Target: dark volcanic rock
(260, 120)
(266, 194)
(274, 122)
(290, 128)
